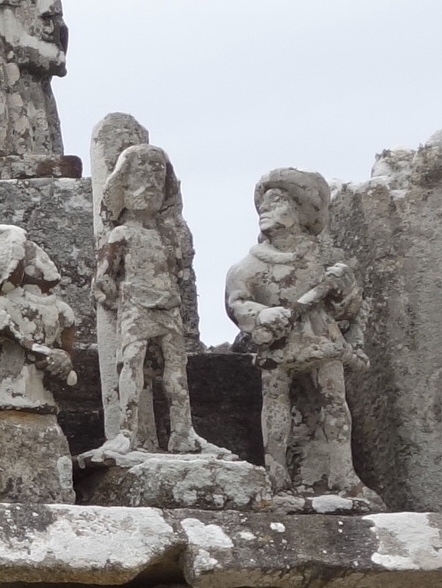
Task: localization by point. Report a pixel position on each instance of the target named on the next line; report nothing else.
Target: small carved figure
(137, 275)
(307, 317)
(36, 336)
(37, 329)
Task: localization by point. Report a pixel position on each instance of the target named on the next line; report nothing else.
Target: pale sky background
(234, 88)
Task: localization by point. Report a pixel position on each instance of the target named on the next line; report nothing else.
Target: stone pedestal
(171, 481)
(36, 466)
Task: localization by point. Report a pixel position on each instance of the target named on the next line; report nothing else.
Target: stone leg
(336, 426)
(276, 425)
(131, 384)
(182, 435)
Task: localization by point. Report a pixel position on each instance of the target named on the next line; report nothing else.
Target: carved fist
(59, 363)
(271, 324)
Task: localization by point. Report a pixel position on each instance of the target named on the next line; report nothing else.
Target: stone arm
(347, 306)
(56, 361)
(109, 266)
(264, 323)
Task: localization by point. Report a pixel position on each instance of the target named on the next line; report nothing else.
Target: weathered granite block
(392, 224)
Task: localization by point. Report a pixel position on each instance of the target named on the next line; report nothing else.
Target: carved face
(277, 211)
(146, 182)
(35, 32)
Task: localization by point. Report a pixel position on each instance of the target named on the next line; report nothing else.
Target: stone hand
(271, 324)
(105, 292)
(59, 363)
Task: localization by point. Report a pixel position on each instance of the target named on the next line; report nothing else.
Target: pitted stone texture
(174, 481)
(114, 546)
(33, 43)
(40, 166)
(58, 216)
(392, 223)
(36, 464)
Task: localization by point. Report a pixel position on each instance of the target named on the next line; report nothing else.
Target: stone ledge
(115, 545)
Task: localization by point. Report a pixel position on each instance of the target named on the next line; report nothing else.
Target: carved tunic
(267, 278)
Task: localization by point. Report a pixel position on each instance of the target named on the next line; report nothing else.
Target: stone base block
(35, 466)
(59, 545)
(173, 481)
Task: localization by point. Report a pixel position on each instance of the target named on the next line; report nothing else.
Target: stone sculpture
(33, 44)
(137, 275)
(306, 314)
(37, 335)
(115, 133)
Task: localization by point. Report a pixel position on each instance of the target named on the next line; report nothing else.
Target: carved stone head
(292, 199)
(34, 35)
(143, 179)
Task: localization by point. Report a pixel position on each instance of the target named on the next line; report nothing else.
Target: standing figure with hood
(138, 276)
(306, 314)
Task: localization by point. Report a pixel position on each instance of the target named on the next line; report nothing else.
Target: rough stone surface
(173, 481)
(40, 166)
(392, 223)
(145, 546)
(33, 44)
(36, 464)
(80, 408)
(307, 318)
(57, 215)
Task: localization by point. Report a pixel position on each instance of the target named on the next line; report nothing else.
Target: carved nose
(61, 34)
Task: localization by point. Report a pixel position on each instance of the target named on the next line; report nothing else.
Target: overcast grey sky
(234, 88)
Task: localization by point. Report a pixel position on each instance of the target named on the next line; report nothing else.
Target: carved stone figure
(33, 44)
(306, 314)
(37, 335)
(115, 133)
(137, 276)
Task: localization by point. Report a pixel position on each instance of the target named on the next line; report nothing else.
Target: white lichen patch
(331, 503)
(91, 539)
(407, 541)
(204, 562)
(246, 536)
(207, 536)
(278, 527)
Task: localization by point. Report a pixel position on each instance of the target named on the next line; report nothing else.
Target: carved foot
(119, 444)
(193, 443)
